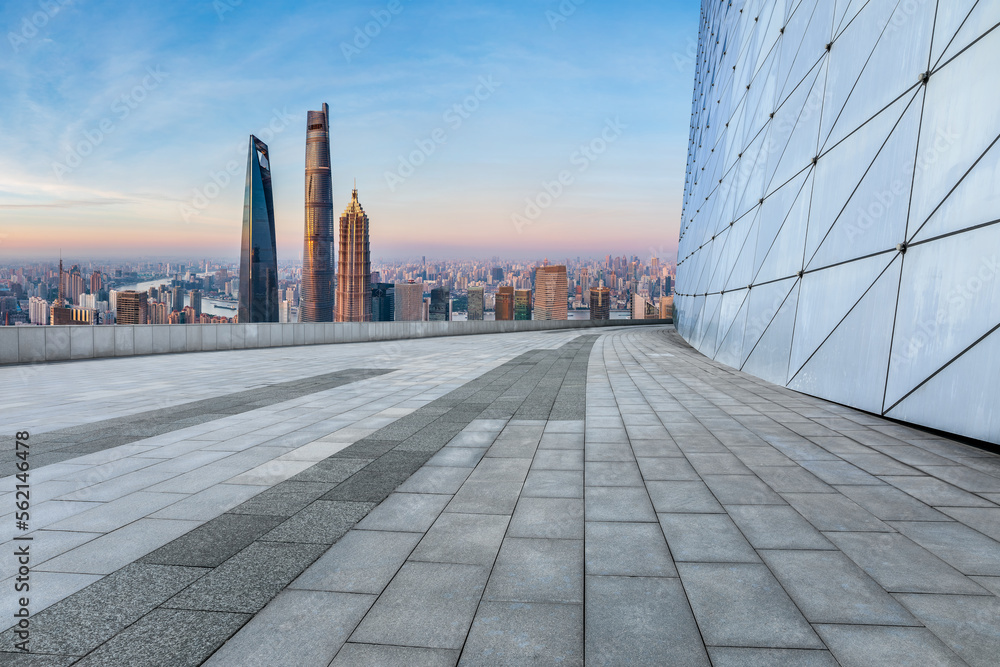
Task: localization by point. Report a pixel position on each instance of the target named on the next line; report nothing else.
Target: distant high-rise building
(258, 253)
(383, 302)
(440, 310)
(641, 307)
(195, 301)
(475, 303)
(550, 292)
(131, 307)
(408, 302)
(158, 313)
(60, 313)
(354, 297)
(522, 304)
(497, 274)
(316, 303)
(504, 308)
(285, 311)
(585, 286)
(177, 299)
(95, 283)
(600, 303)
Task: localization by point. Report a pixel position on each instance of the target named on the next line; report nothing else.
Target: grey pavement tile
(718, 464)
(501, 470)
(405, 512)
(992, 584)
(558, 459)
(965, 549)
(167, 637)
(798, 448)
(554, 518)
(762, 456)
(706, 538)
(88, 618)
(380, 655)
(563, 426)
(605, 451)
(900, 566)
(332, 470)
(516, 633)
(682, 497)
(984, 519)
(666, 469)
(728, 656)
(785, 479)
(829, 588)
(459, 457)
(120, 547)
(876, 463)
(966, 623)
(537, 570)
(605, 435)
(35, 660)
(248, 580)
(301, 628)
(283, 499)
(486, 425)
(513, 448)
(935, 492)
(553, 484)
(471, 539)
(361, 562)
(477, 438)
(912, 455)
(48, 544)
(616, 503)
(212, 543)
(890, 504)
(881, 645)
(435, 479)
(322, 522)
(426, 605)
(656, 448)
(840, 472)
(612, 473)
(627, 549)
(696, 443)
(742, 490)
(965, 478)
(485, 497)
(776, 527)
(832, 511)
(207, 504)
(742, 604)
(645, 432)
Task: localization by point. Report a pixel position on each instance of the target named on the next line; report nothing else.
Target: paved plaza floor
(544, 498)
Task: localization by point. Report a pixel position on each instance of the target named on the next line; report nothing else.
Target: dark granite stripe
(246, 556)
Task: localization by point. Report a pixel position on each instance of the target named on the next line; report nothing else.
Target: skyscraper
(550, 292)
(132, 307)
(258, 254)
(409, 302)
(195, 301)
(475, 303)
(440, 305)
(383, 297)
(504, 307)
(317, 299)
(522, 304)
(354, 297)
(600, 303)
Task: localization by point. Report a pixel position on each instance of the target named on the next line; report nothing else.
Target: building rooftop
(561, 497)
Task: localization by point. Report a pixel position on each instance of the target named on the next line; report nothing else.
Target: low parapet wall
(33, 344)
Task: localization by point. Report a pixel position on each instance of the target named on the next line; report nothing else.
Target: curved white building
(839, 234)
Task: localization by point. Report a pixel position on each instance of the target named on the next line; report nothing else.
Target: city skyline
(491, 163)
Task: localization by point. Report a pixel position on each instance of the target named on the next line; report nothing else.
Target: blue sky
(126, 124)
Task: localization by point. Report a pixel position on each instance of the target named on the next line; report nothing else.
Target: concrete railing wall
(33, 344)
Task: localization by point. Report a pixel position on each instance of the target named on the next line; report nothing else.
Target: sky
(519, 128)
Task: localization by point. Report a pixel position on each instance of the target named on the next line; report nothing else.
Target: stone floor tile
(362, 561)
(627, 549)
(555, 518)
(718, 464)
(832, 511)
(706, 538)
(829, 588)
(890, 504)
(610, 503)
(322, 522)
(214, 542)
(965, 549)
(427, 605)
(966, 623)
(776, 527)
(935, 492)
(640, 621)
(485, 497)
(517, 633)
(460, 457)
(886, 645)
(727, 656)
(537, 570)
(558, 459)
(666, 469)
(612, 473)
(984, 519)
(352, 655)
(742, 490)
(405, 512)
(501, 470)
(553, 484)
(470, 539)
(435, 479)
(682, 497)
(742, 604)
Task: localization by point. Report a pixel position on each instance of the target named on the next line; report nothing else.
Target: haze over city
(126, 131)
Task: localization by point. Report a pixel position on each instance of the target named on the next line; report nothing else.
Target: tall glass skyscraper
(354, 296)
(317, 299)
(258, 254)
(841, 218)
